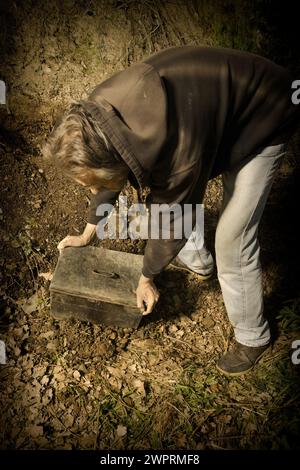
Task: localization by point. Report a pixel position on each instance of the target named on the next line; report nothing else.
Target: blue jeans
(246, 190)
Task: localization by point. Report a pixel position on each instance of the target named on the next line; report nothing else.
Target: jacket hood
(131, 109)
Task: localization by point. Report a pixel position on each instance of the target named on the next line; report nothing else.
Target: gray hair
(78, 146)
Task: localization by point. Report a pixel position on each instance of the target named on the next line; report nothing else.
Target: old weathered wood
(97, 285)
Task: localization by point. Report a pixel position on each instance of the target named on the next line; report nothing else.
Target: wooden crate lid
(99, 274)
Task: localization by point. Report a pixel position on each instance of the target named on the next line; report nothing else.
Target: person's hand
(146, 294)
(72, 240)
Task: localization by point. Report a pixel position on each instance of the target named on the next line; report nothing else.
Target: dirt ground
(71, 385)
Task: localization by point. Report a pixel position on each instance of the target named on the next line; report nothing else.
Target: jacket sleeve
(158, 254)
(162, 249)
(105, 196)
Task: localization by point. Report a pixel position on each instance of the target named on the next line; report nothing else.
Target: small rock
(195, 316)
(48, 334)
(129, 401)
(45, 380)
(76, 375)
(101, 349)
(179, 333)
(52, 346)
(208, 323)
(17, 351)
(59, 375)
(39, 371)
(68, 420)
(121, 431)
(115, 372)
(139, 386)
(185, 320)
(48, 276)
(173, 329)
(46, 69)
(35, 431)
(31, 304)
(18, 332)
(132, 367)
(37, 204)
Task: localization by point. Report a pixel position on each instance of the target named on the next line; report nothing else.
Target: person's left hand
(146, 294)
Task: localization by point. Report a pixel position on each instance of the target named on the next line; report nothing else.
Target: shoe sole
(201, 277)
(236, 374)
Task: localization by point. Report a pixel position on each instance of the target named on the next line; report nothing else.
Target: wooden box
(97, 285)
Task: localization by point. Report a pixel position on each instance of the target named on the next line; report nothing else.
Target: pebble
(173, 329)
(208, 323)
(179, 333)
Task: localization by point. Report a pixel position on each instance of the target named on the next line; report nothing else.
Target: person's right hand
(147, 295)
(72, 240)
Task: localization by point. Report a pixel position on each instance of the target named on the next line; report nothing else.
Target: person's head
(80, 149)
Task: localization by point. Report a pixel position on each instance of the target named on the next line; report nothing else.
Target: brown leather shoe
(240, 359)
(178, 264)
